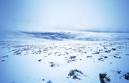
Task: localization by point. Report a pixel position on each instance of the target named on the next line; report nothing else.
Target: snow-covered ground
(87, 58)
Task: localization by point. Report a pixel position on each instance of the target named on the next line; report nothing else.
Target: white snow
(42, 61)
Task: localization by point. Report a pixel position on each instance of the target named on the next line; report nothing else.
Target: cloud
(42, 15)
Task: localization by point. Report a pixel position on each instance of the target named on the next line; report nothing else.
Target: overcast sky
(44, 15)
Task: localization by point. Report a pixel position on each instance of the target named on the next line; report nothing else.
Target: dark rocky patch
(108, 51)
(71, 58)
(39, 60)
(2, 60)
(17, 52)
(103, 78)
(114, 49)
(105, 56)
(6, 56)
(49, 81)
(117, 57)
(43, 79)
(126, 76)
(52, 64)
(66, 53)
(101, 59)
(88, 56)
(97, 52)
(127, 54)
(85, 52)
(75, 74)
(119, 72)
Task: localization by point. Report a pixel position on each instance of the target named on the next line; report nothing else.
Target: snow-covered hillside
(65, 58)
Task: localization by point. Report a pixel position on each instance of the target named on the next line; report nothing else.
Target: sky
(52, 15)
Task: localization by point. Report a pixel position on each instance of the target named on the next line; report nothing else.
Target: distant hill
(52, 35)
(85, 36)
(106, 31)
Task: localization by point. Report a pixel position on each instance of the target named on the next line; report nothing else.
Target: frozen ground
(56, 58)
